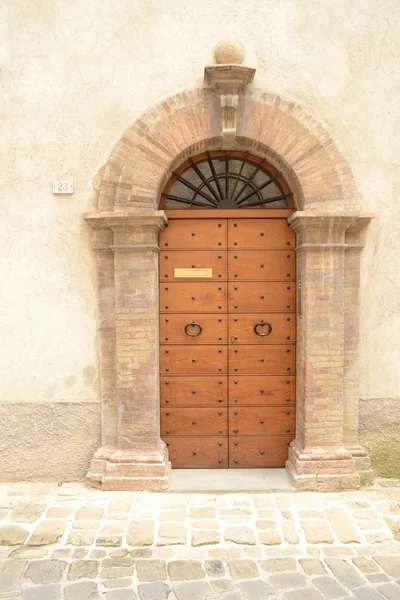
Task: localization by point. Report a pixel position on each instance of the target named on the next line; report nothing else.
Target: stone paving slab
(69, 542)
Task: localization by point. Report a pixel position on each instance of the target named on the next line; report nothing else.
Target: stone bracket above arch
(229, 81)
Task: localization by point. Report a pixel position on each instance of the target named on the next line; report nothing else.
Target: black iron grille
(225, 180)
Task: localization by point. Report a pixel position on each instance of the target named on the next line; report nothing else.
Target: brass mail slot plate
(192, 272)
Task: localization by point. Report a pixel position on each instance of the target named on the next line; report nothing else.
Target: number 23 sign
(63, 186)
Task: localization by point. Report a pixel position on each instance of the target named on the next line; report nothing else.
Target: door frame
(326, 454)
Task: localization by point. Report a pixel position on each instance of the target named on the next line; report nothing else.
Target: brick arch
(189, 122)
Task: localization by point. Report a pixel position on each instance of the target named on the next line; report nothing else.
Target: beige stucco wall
(75, 75)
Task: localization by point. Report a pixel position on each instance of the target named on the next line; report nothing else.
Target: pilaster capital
(155, 220)
(138, 248)
(329, 230)
(127, 228)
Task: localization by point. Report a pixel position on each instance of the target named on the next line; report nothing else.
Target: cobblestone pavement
(69, 542)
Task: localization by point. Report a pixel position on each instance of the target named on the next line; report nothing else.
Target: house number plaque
(63, 186)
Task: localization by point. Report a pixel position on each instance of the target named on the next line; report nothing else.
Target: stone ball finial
(229, 51)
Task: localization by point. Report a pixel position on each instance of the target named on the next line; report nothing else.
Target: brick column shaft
(136, 322)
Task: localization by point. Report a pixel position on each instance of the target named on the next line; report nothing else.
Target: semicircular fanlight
(226, 180)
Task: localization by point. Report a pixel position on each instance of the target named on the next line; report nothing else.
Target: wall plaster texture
(48, 441)
(73, 77)
(379, 433)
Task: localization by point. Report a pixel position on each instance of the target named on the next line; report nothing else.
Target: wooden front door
(227, 338)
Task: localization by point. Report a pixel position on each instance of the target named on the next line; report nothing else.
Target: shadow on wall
(379, 434)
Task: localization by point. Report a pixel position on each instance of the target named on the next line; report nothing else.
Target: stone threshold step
(230, 480)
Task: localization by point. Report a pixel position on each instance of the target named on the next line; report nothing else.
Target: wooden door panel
(262, 390)
(260, 233)
(201, 328)
(275, 327)
(260, 296)
(198, 453)
(262, 360)
(193, 297)
(194, 391)
(196, 360)
(196, 234)
(227, 395)
(261, 265)
(261, 420)
(193, 259)
(194, 421)
(258, 451)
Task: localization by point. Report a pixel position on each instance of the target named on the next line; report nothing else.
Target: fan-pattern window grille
(226, 180)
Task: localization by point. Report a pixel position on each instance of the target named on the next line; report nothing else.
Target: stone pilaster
(318, 457)
(102, 240)
(351, 376)
(138, 459)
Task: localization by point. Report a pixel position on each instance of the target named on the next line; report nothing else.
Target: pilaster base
(124, 470)
(363, 464)
(320, 469)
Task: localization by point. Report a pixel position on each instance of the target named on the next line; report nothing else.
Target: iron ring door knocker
(196, 332)
(262, 324)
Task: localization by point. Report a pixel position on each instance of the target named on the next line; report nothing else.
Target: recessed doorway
(227, 315)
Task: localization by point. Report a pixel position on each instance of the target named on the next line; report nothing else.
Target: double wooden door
(227, 340)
